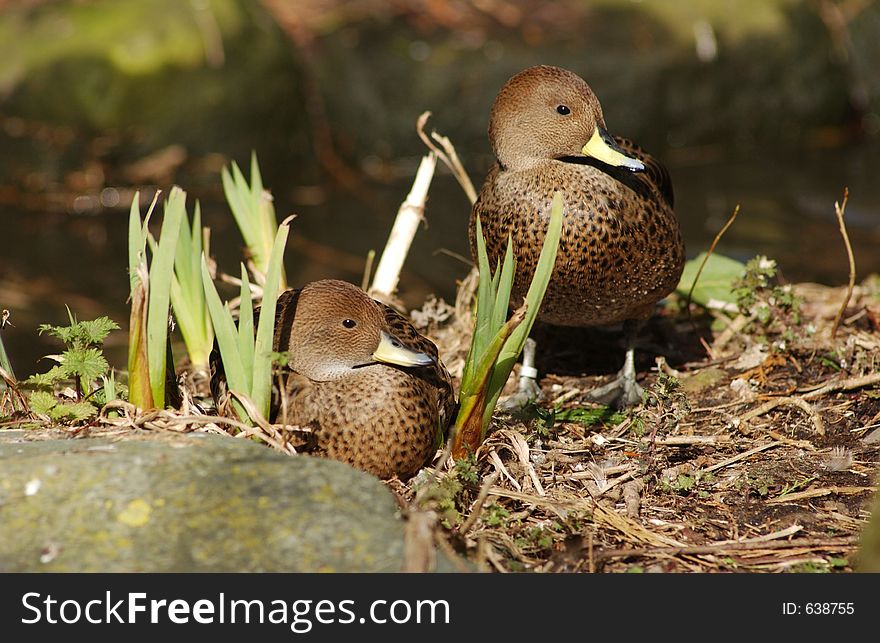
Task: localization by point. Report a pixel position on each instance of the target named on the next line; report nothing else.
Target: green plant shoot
(188, 295)
(247, 358)
(151, 295)
(498, 341)
(254, 213)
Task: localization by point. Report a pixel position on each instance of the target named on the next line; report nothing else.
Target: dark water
(787, 213)
(71, 136)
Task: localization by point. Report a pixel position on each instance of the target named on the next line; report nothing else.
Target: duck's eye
(349, 323)
(563, 109)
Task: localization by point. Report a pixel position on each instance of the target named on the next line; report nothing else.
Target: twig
(632, 498)
(741, 456)
(368, 269)
(812, 543)
(817, 493)
(844, 385)
(448, 155)
(839, 210)
(521, 448)
(799, 402)
(499, 466)
(709, 254)
(739, 322)
(691, 440)
(776, 535)
(405, 225)
(478, 503)
(418, 542)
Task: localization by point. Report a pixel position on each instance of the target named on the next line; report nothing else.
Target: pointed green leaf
(161, 273)
(227, 336)
(504, 286)
(136, 240)
(262, 383)
(246, 328)
(540, 280)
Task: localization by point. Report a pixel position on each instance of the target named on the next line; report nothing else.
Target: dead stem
(812, 543)
(848, 384)
(368, 269)
(798, 402)
(839, 210)
(740, 456)
(478, 503)
(410, 214)
(709, 254)
(818, 493)
(448, 155)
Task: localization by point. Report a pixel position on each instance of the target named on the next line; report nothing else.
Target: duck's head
(336, 327)
(551, 113)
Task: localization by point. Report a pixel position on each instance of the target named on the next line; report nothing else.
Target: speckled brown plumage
(380, 417)
(621, 249)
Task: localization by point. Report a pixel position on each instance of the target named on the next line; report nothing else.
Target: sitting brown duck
(621, 249)
(368, 386)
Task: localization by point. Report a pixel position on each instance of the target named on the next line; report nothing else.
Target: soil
(756, 449)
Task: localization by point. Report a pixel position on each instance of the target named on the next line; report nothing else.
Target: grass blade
(140, 392)
(188, 295)
(136, 240)
(474, 398)
(504, 285)
(4, 362)
(227, 339)
(540, 280)
(496, 345)
(261, 391)
(246, 328)
(254, 214)
(161, 273)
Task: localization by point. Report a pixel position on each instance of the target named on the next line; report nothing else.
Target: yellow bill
(602, 147)
(392, 351)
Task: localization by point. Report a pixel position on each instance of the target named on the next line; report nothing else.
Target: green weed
(498, 341)
(81, 365)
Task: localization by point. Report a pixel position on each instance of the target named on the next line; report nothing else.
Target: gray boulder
(188, 502)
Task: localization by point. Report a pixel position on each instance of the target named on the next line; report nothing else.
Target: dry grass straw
(839, 210)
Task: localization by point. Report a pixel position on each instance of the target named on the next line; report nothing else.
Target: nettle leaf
(47, 379)
(82, 334)
(73, 411)
(87, 363)
(42, 402)
(96, 331)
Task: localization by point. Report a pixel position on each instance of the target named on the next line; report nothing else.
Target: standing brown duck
(368, 386)
(621, 249)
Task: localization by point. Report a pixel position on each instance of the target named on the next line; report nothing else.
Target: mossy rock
(194, 502)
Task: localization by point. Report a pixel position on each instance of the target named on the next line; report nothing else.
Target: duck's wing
(285, 312)
(436, 374)
(655, 175)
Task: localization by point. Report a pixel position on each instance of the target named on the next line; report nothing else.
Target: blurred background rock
(773, 104)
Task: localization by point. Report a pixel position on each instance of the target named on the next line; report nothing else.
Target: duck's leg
(527, 389)
(624, 390)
